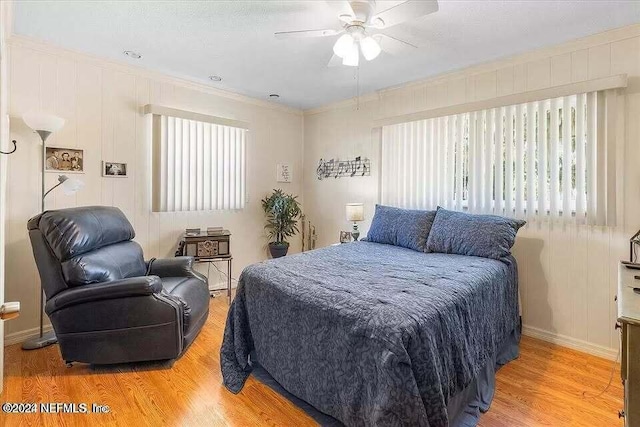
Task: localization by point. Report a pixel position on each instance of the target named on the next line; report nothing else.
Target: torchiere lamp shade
(43, 122)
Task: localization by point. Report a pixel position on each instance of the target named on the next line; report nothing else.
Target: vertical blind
(551, 158)
(198, 165)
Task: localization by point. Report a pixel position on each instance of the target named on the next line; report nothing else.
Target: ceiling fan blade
(335, 61)
(393, 45)
(399, 13)
(306, 33)
(341, 7)
(346, 18)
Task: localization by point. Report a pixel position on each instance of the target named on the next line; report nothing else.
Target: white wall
(101, 102)
(568, 275)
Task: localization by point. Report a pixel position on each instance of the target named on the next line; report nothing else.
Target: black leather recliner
(107, 305)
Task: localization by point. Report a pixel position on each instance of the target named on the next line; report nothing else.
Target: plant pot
(278, 249)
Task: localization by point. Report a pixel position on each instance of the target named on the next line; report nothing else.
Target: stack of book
(214, 231)
(192, 232)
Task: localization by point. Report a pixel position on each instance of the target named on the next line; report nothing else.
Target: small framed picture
(114, 169)
(345, 236)
(68, 160)
(283, 173)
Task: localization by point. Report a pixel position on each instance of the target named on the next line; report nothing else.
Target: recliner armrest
(181, 266)
(131, 287)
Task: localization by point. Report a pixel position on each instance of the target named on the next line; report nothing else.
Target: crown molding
(345, 103)
(610, 36)
(38, 45)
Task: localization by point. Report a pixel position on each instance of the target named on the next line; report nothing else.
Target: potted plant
(283, 211)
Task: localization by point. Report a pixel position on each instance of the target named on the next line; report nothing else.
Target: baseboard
(220, 285)
(22, 336)
(562, 340)
(573, 343)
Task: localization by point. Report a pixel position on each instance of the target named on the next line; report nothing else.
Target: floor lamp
(44, 125)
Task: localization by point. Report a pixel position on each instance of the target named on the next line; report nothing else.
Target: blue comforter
(371, 334)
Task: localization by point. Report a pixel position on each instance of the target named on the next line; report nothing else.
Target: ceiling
(234, 39)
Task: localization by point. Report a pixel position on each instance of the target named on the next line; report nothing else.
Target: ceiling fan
(360, 27)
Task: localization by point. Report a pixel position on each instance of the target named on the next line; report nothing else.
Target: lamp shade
(353, 56)
(355, 212)
(343, 45)
(43, 121)
(370, 48)
(70, 185)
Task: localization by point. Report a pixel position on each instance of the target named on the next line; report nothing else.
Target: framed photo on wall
(114, 169)
(283, 172)
(68, 160)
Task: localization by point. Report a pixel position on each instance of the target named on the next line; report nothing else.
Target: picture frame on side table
(345, 236)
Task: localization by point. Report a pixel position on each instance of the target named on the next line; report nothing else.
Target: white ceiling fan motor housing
(363, 10)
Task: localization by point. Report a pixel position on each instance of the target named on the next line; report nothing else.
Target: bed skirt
(464, 408)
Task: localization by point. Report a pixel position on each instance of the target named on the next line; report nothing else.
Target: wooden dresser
(629, 324)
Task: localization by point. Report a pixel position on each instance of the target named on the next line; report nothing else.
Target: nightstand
(629, 326)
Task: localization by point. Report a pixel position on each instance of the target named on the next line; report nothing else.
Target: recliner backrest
(90, 244)
(113, 262)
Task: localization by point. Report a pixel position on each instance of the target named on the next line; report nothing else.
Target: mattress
(372, 334)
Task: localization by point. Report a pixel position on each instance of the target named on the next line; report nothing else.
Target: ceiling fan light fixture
(370, 48)
(344, 45)
(353, 57)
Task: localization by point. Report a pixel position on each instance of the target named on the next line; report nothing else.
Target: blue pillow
(487, 236)
(401, 227)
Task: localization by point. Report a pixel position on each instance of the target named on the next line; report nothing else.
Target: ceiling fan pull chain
(357, 76)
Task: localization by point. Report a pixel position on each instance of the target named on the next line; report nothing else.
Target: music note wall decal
(336, 168)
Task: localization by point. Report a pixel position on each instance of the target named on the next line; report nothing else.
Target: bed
(377, 334)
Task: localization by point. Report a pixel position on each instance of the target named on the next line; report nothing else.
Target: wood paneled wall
(101, 102)
(567, 273)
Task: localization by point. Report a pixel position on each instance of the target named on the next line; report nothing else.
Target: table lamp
(355, 213)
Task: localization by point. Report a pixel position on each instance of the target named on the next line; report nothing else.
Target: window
(551, 157)
(197, 165)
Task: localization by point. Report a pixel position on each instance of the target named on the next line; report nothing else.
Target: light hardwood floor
(544, 386)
